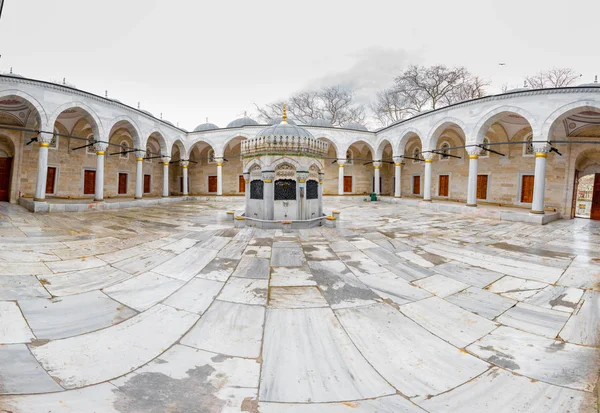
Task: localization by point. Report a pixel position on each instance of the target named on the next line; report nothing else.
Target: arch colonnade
(523, 148)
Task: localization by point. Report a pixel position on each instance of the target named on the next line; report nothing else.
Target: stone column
(341, 163)
(219, 176)
(472, 183)
(302, 176)
(321, 179)
(539, 181)
(247, 187)
(268, 195)
(165, 162)
(184, 169)
(397, 177)
(427, 181)
(44, 140)
(377, 166)
(99, 192)
(139, 175)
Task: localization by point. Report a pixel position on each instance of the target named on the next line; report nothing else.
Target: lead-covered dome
(245, 121)
(205, 127)
(356, 126)
(284, 138)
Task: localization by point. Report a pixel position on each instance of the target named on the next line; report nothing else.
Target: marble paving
(397, 310)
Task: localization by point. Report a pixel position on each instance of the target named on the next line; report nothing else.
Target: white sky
(196, 59)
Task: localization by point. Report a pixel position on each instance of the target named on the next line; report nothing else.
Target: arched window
(445, 150)
(485, 144)
(349, 157)
(124, 148)
(148, 154)
(211, 156)
(528, 146)
(54, 140)
(90, 150)
(312, 189)
(416, 154)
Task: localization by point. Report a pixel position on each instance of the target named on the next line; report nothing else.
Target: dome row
(246, 121)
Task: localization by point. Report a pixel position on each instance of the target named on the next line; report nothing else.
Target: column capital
(165, 160)
(428, 157)
(184, 164)
(140, 155)
(44, 138)
(341, 162)
(474, 152)
(100, 147)
(267, 176)
(376, 164)
(219, 161)
(541, 149)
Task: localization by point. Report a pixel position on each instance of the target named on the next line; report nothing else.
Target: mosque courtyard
(173, 309)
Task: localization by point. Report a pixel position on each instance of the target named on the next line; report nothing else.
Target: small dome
(320, 122)
(519, 89)
(355, 126)
(11, 74)
(277, 121)
(166, 121)
(205, 127)
(116, 100)
(595, 84)
(283, 130)
(147, 113)
(245, 121)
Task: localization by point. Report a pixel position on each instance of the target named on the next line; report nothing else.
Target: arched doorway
(586, 196)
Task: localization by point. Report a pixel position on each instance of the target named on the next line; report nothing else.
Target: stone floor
(171, 309)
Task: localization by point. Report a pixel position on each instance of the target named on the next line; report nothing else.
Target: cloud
(373, 69)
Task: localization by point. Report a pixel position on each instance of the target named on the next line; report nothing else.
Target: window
(54, 140)
(285, 190)
(256, 189)
(445, 150)
(416, 155)
(349, 157)
(211, 156)
(528, 146)
(148, 154)
(90, 150)
(312, 189)
(486, 144)
(124, 148)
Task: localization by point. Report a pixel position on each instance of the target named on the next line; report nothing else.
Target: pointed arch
(551, 121)
(440, 127)
(91, 117)
(380, 148)
(494, 116)
(405, 136)
(131, 126)
(40, 111)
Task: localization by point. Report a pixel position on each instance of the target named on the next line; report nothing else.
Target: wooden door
(444, 183)
(347, 184)
(416, 185)
(5, 166)
(482, 186)
(89, 182)
(50, 180)
(147, 184)
(212, 184)
(527, 189)
(122, 184)
(595, 214)
(241, 184)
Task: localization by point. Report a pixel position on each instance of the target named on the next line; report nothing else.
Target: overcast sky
(196, 59)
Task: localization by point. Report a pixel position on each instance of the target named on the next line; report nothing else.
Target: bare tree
(555, 77)
(332, 103)
(420, 88)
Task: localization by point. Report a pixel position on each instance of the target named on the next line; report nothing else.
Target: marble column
(397, 176)
(268, 195)
(184, 173)
(165, 161)
(472, 182)
(321, 179)
(302, 176)
(427, 181)
(219, 176)
(377, 166)
(539, 181)
(341, 163)
(139, 175)
(247, 187)
(44, 140)
(99, 190)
